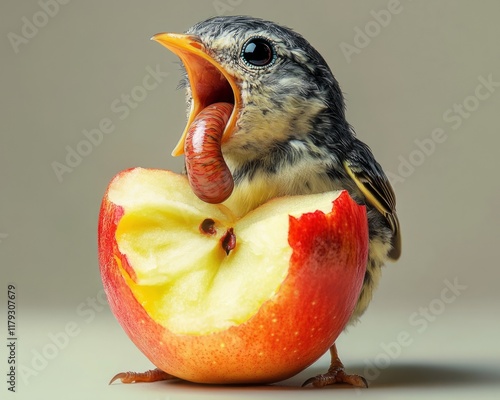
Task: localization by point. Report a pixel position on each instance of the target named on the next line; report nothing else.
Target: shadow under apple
(418, 375)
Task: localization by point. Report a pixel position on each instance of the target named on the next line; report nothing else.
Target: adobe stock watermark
(58, 341)
(31, 26)
(3, 236)
(418, 322)
(364, 36)
(120, 109)
(223, 7)
(454, 117)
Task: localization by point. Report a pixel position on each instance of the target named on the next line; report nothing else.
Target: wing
(372, 182)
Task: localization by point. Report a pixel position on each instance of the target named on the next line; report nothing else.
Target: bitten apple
(212, 298)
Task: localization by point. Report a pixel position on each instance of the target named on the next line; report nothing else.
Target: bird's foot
(337, 375)
(153, 375)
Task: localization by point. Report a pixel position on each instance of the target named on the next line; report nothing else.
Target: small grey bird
(287, 135)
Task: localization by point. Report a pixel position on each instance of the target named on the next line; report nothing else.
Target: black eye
(258, 52)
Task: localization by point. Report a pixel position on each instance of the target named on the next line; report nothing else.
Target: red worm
(208, 173)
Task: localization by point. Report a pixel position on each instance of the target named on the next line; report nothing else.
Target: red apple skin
(289, 332)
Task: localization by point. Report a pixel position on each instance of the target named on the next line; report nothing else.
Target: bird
(287, 135)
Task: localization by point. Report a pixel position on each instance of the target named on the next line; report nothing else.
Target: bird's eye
(258, 52)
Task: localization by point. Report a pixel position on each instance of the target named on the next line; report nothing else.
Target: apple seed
(228, 241)
(208, 226)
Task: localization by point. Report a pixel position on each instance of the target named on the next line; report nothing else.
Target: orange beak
(210, 82)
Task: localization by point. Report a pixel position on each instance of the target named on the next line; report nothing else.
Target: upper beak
(209, 81)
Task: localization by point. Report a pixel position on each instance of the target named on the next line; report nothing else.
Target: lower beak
(210, 82)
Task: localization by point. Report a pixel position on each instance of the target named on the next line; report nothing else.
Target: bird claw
(336, 376)
(153, 375)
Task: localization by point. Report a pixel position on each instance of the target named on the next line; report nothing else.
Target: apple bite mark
(261, 313)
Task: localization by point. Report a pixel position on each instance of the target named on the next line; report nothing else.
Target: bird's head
(281, 87)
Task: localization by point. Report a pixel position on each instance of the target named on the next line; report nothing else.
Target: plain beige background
(418, 83)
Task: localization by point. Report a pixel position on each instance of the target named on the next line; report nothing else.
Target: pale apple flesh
(256, 305)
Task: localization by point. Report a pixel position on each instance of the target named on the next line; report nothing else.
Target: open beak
(210, 82)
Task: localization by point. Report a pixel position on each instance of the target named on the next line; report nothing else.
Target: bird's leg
(336, 374)
(153, 375)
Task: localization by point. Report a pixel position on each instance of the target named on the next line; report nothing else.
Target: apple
(210, 297)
